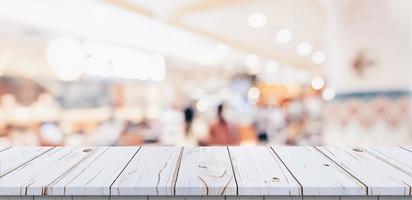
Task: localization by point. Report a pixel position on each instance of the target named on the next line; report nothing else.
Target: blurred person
(222, 132)
(189, 114)
(189, 138)
(262, 123)
(131, 134)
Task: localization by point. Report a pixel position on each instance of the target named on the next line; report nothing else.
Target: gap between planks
(179, 163)
(127, 164)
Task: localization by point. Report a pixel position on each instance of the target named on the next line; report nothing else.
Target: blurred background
(205, 72)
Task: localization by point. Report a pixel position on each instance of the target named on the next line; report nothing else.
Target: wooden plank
(53, 198)
(97, 198)
(321, 198)
(394, 198)
(16, 198)
(359, 198)
(408, 148)
(205, 171)
(247, 198)
(206, 198)
(317, 174)
(187, 198)
(14, 157)
(129, 198)
(2, 148)
(380, 177)
(94, 175)
(398, 157)
(259, 172)
(33, 177)
(153, 171)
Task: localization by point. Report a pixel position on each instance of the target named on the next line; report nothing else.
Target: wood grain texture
(129, 197)
(204, 198)
(14, 157)
(409, 148)
(208, 173)
(186, 197)
(16, 198)
(205, 171)
(153, 171)
(2, 148)
(33, 177)
(95, 174)
(94, 198)
(398, 157)
(259, 172)
(317, 174)
(53, 198)
(380, 177)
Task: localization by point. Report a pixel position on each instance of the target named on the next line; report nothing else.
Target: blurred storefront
(205, 72)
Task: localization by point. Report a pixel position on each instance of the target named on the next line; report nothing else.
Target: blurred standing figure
(221, 132)
(262, 123)
(189, 116)
(190, 137)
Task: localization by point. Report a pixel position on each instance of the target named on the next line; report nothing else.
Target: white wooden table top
(147, 170)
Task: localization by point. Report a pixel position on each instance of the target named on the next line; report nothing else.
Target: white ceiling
(182, 29)
(226, 22)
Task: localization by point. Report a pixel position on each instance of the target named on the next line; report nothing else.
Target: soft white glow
(271, 66)
(257, 20)
(318, 83)
(304, 49)
(284, 36)
(69, 59)
(253, 70)
(65, 57)
(318, 57)
(253, 94)
(202, 106)
(159, 69)
(328, 94)
(251, 60)
(221, 51)
(107, 23)
(252, 64)
(98, 59)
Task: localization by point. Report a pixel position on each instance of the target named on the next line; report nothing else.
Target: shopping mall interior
(205, 72)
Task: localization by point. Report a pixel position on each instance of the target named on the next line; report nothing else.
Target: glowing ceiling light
(202, 106)
(318, 57)
(284, 36)
(318, 83)
(65, 57)
(257, 20)
(304, 49)
(328, 94)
